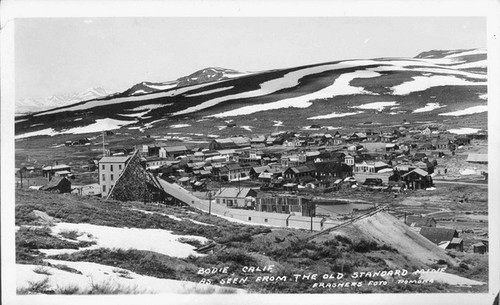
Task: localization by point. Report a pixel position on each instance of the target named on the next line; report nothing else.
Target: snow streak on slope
(470, 110)
(120, 100)
(379, 106)
(333, 115)
(340, 87)
(98, 126)
(421, 83)
(209, 91)
(289, 80)
(428, 107)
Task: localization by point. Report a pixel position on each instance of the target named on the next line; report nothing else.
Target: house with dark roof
(257, 170)
(480, 248)
(61, 185)
(439, 236)
(417, 179)
(173, 151)
(293, 173)
(331, 170)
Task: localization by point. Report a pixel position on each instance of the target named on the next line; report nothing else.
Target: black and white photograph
(245, 152)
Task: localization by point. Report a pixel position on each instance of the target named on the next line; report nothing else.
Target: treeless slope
(386, 229)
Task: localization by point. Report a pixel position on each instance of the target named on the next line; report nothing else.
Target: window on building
(103, 167)
(119, 166)
(104, 188)
(265, 219)
(217, 200)
(112, 177)
(250, 218)
(111, 167)
(103, 177)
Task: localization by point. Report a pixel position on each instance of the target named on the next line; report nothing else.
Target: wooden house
(60, 185)
(439, 236)
(234, 172)
(480, 248)
(293, 173)
(49, 171)
(417, 179)
(237, 197)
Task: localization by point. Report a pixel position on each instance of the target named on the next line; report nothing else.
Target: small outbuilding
(61, 185)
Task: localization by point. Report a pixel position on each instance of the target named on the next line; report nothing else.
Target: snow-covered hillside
(444, 83)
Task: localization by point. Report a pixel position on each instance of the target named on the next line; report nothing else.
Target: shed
(62, 185)
(480, 248)
(438, 235)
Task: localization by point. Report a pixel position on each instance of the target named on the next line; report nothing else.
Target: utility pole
(210, 202)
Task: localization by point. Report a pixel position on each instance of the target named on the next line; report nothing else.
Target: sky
(67, 55)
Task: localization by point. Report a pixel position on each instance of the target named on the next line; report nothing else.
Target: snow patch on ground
(93, 273)
(98, 126)
(341, 86)
(464, 130)
(43, 132)
(140, 91)
(474, 64)
(249, 128)
(180, 126)
(421, 83)
(277, 123)
(468, 171)
(289, 80)
(484, 96)
(379, 106)
(151, 106)
(138, 114)
(333, 115)
(428, 107)
(470, 110)
(134, 238)
(209, 91)
(163, 86)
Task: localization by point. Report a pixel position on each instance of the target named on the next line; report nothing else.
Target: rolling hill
(435, 85)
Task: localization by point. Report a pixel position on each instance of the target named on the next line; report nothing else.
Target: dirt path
(460, 182)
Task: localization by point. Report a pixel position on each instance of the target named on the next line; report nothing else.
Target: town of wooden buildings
(289, 161)
(278, 173)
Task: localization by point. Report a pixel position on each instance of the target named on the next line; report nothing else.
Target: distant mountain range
(434, 83)
(40, 104)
